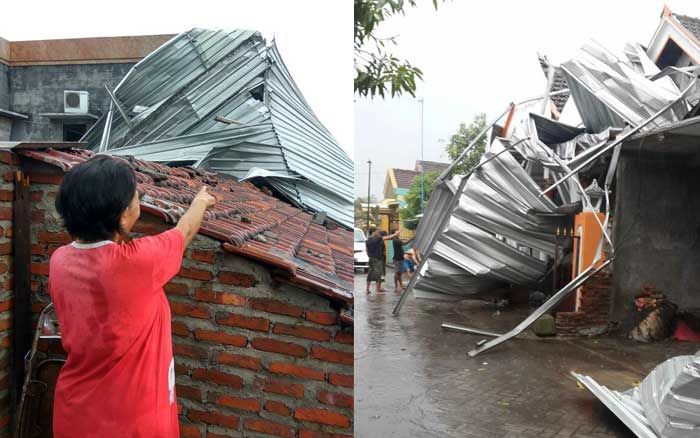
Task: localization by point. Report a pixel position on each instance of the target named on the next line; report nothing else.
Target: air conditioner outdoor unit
(75, 102)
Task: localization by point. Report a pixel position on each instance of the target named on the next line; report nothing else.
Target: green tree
(413, 196)
(459, 141)
(375, 67)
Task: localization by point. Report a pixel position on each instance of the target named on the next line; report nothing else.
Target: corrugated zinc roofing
(207, 95)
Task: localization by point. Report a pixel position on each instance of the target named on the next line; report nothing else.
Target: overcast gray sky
(314, 37)
(478, 57)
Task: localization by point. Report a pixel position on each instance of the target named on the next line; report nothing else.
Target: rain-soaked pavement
(414, 380)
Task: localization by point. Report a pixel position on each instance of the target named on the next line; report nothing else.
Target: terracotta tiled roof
(432, 166)
(404, 177)
(246, 220)
(690, 23)
(559, 83)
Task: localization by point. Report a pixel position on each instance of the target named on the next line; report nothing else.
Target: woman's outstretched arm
(190, 222)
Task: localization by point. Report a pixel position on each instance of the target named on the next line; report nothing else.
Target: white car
(361, 259)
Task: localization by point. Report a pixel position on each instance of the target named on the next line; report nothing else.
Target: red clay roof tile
(248, 221)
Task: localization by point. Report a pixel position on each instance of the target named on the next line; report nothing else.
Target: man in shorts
(398, 260)
(409, 262)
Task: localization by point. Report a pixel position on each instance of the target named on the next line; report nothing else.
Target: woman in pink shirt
(119, 378)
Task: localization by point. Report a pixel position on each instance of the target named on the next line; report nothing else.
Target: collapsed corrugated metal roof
(614, 92)
(499, 229)
(666, 403)
(225, 101)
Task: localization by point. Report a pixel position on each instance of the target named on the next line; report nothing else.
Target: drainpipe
(21, 245)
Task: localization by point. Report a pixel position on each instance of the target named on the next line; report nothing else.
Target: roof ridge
(675, 14)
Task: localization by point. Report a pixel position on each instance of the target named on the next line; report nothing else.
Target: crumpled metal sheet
(488, 230)
(613, 92)
(670, 395)
(501, 215)
(666, 403)
(175, 94)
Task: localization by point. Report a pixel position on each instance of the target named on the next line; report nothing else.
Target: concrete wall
(39, 89)
(5, 128)
(656, 230)
(4, 86)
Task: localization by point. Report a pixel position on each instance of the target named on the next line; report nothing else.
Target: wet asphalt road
(414, 380)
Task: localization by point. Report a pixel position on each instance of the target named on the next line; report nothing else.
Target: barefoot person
(398, 259)
(409, 262)
(119, 379)
(377, 259)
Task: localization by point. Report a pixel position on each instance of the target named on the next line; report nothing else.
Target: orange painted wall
(589, 232)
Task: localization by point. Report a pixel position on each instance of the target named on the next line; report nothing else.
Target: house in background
(676, 43)
(398, 181)
(55, 89)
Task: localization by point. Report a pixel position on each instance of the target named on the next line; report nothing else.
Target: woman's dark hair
(93, 196)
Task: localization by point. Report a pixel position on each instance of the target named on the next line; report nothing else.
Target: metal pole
(463, 329)
(422, 172)
(369, 182)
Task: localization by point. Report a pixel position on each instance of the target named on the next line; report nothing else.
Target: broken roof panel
(610, 92)
(248, 221)
(665, 404)
(207, 91)
(487, 228)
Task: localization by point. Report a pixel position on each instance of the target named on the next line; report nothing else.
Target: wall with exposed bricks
(254, 356)
(593, 308)
(7, 162)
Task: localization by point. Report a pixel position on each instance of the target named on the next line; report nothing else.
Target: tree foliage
(375, 67)
(413, 196)
(459, 141)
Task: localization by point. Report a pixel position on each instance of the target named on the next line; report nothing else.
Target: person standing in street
(377, 259)
(398, 261)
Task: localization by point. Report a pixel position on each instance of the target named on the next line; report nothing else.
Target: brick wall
(593, 308)
(6, 293)
(254, 357)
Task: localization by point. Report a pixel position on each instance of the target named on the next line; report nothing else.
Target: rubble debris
(536, 298)
(544, 326)
(546, 307)
(660, 316)
(687, 326)
(666, 404)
